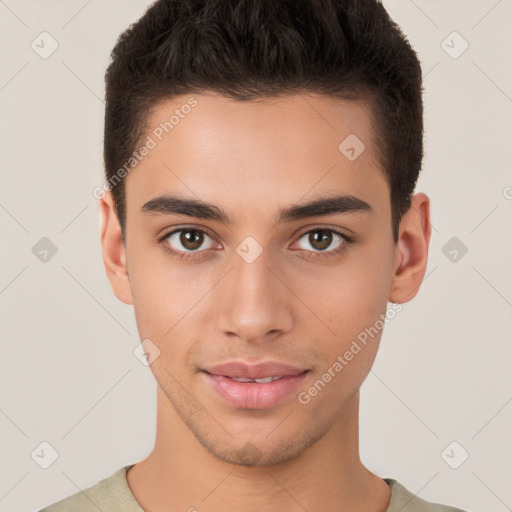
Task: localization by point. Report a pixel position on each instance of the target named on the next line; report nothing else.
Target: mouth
(257, 387)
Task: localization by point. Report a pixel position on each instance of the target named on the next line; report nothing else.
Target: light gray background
(68, 373)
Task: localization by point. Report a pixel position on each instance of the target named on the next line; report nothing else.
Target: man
(261, 158)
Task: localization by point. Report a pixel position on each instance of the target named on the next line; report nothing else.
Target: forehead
(279, 149)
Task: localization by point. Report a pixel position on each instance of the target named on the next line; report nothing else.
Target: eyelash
(193, 255)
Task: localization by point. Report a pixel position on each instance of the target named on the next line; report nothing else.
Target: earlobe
(113, 250)
(411, 250)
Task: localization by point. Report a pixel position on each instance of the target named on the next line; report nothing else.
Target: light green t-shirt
(112, 494)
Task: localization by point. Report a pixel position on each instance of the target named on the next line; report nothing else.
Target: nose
(255, 301)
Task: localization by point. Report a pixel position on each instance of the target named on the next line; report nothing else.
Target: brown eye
(187, 240)
(320, 240)
(191, 239)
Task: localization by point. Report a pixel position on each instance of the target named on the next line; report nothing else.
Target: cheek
(351, 296)
(166, 297)
(353, 306)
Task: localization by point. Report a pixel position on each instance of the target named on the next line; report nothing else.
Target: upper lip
(254, 371)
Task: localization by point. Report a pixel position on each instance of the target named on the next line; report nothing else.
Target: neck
(180, 474)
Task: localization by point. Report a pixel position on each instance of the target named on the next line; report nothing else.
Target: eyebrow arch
(171, 204)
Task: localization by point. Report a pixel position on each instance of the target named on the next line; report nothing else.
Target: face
(296, 288)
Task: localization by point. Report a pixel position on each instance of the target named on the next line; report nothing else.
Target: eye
(185, 242)
(320, 239)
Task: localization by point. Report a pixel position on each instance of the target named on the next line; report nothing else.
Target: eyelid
(171, 231)
(318, 227)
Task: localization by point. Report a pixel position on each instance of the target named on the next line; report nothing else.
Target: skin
(251, 159)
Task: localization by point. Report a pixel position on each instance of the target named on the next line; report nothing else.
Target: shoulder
(404, 500)
(83, 501)
(107, 494)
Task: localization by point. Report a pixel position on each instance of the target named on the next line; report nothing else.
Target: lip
(254, 371)
(253, 395)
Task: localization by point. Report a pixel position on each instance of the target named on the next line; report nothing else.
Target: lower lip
(252, 395)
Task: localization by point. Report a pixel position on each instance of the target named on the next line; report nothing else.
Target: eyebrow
(171, 204)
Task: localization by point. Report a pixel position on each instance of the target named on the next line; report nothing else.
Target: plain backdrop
(441, 387)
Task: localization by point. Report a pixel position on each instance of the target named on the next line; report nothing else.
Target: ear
(113, 249)
(411, 252)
